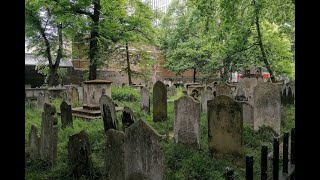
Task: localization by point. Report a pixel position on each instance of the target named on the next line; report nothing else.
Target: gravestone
(114, 157)
(144, 158)
(248, 84)
(205, 96)
(49, 134)
(74, 95)
(79, 153)
(159, 102)
(66, 114)
(145, 100)
(223, 89)
(247, 114)
(127, 117)
(225, 126)
(171, 91)
(195, 94)
(80, 92)
(267, 106)
(41, 99)
(108, 113)
(186, 121)
(241, 94)
(34, 143)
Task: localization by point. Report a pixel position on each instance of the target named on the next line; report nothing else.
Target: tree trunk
(194, 74)
(128, 65)
(53, 78)
(93, 49)
(264, 56)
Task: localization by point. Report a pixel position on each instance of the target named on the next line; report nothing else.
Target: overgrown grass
(180, 162)
(125, 93)
(39, 170)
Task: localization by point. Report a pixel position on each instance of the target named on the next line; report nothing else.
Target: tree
(44, 31)
(233, 34)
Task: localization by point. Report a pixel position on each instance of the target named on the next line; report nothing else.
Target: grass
(180, 162)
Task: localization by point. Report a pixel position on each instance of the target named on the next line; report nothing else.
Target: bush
(125, 93)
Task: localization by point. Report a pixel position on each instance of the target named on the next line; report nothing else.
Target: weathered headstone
(80, 92)
(205, 96)
(145, 100)
(225, 126)
(34, 143)
(74, 95)
(114, 158)
(171, 91)
(79, 153)
(186, 121)
(144, 157)
(195, 94)
(267, 106)
(248, 84)
(159, 102)
(247, 113)
(42, 98)
(127, 117)
(49, 134)
(66, 114)
(108, 113)
(241, 94)
(223, 89)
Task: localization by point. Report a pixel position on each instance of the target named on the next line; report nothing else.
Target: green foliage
(288, 119)
(213, 35)
(125, 93)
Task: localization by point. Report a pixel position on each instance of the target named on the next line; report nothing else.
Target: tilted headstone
(225, 126)
(144, 158)
(108, 113)
(49, 134)
(79, 153)
(114, 157)
(159, 102)
(34, 143)
(127, 117)
(267, 106)
(187, 121)
(66, 114)
(145, 100)
(205, 96)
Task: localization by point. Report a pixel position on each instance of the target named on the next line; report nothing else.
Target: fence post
(275, 173)
(293, 146)
(229, 174)
(285, 153)
(264, 162)
(249, 167)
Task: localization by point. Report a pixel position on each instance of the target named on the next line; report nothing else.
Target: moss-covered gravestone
(145, 100)
(159, 102)
(108, 113)
(66, 114)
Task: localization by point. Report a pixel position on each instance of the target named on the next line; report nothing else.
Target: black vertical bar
(285, 153)
(275, 159)
(293, 146)
(249, 167)
(229, 174)
(264, 162)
